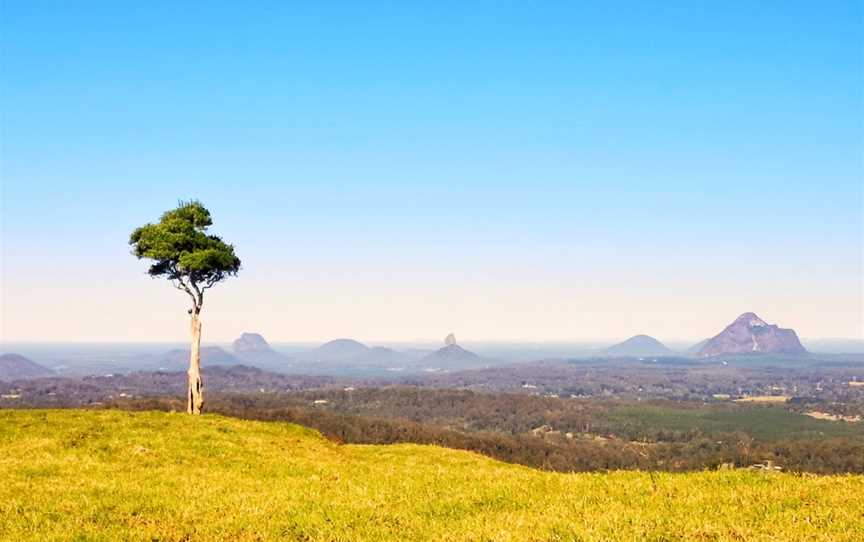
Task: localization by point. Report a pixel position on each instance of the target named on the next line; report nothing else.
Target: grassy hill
(111, 475)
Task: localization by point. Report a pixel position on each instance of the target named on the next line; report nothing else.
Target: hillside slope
(110, 475)
(639, 345)
(17, 367)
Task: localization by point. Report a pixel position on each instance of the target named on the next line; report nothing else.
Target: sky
(513, 171)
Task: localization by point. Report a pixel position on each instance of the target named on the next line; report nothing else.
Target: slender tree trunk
(195, 395)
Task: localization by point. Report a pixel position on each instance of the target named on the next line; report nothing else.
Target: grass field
(110, 475)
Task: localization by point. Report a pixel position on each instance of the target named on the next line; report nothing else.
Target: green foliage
(184, 252)
(646, 422)
(110, 475)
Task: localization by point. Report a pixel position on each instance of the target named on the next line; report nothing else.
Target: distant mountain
(339, 350)
(179, 359)
(749, 334)
(349, 352)
(639, 345)
(253, 349)
(451, 357)
(251, 342)
(17, 367)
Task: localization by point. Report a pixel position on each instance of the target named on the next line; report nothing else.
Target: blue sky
(509, 171)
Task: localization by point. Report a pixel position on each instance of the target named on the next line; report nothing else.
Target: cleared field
(110, 475)
(764, 399)
(832, 417)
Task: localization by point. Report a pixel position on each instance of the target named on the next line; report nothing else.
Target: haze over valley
(748, 334)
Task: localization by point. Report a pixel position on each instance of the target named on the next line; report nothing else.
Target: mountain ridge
(17, 367)
(639, 345)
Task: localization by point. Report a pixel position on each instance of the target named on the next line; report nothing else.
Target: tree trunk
(195, 395)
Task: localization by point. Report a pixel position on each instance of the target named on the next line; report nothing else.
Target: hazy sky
(504, 170)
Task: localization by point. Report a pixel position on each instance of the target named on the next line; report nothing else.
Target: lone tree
(193, 261)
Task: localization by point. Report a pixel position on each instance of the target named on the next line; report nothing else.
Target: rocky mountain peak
(749, 334)
(751, 320)
(251, 342)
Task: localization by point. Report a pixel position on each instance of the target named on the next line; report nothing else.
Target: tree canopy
(183, 251)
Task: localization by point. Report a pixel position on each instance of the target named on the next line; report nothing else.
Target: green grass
(111, 475)
(764, 422)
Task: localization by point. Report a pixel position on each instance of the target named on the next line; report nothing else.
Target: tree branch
(199, 293)
(212, 280)
(181, 285)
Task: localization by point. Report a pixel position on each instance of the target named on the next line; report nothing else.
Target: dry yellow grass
(109, 475)
(764, 399)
